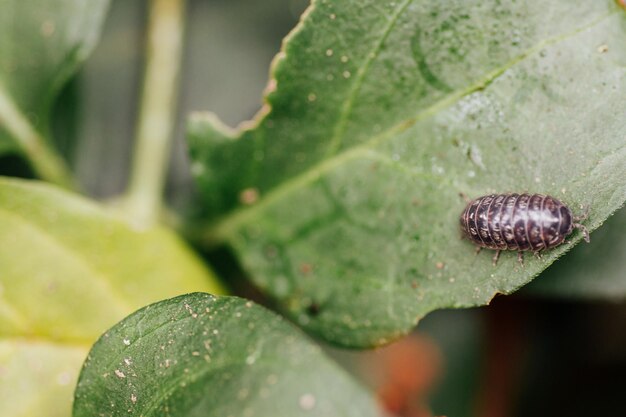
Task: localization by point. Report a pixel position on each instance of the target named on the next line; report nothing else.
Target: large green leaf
(198, 355)
(342, 201)
(42, 42)
(594, 271)
(68, 271)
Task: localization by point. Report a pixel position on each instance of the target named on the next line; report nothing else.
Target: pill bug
(521, 222)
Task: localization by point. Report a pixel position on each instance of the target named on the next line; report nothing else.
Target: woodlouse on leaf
(521, 222)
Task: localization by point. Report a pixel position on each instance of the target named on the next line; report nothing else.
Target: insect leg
(538, 254)
(465, 197)
(496, 256)
(478, 249)
(584, 230)
(582, 216)
(520, 258)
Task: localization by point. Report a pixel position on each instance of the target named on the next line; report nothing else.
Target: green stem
(45, 161)
(158, 104)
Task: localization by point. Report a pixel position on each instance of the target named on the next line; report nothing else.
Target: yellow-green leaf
(68, 271)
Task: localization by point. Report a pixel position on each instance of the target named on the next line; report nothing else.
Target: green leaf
(41, 45)
(6, 147)
(43, 42)
(593, 271)
(342, 200)
(200, 355)
(68, 271)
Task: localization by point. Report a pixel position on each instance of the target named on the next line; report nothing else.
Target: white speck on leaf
(64, 378)
(190, 310)
(476, 156)
(307, 402)
(48, 28)
(119, 374)
(243, 393)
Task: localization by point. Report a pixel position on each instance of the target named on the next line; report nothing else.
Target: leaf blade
(173, 355)
(69, 248)
(37, 377)
(42, 46)
(69, 269)
(375, 218)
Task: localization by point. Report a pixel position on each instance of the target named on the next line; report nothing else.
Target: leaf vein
(223, 229)
(346, 109)
(123, 304)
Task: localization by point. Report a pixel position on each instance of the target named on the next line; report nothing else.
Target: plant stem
(158, 105)
(44, 160)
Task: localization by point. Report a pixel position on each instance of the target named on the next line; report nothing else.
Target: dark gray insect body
(521, 222)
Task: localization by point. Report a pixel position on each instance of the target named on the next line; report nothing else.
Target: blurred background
(229, 45)
(523, 355)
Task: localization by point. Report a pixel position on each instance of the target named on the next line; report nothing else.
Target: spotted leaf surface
(68, 271)
(200, 355)
(342, 199)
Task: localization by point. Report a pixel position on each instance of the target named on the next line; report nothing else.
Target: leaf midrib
(346, 108)
(223, 229)
(14, 315)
